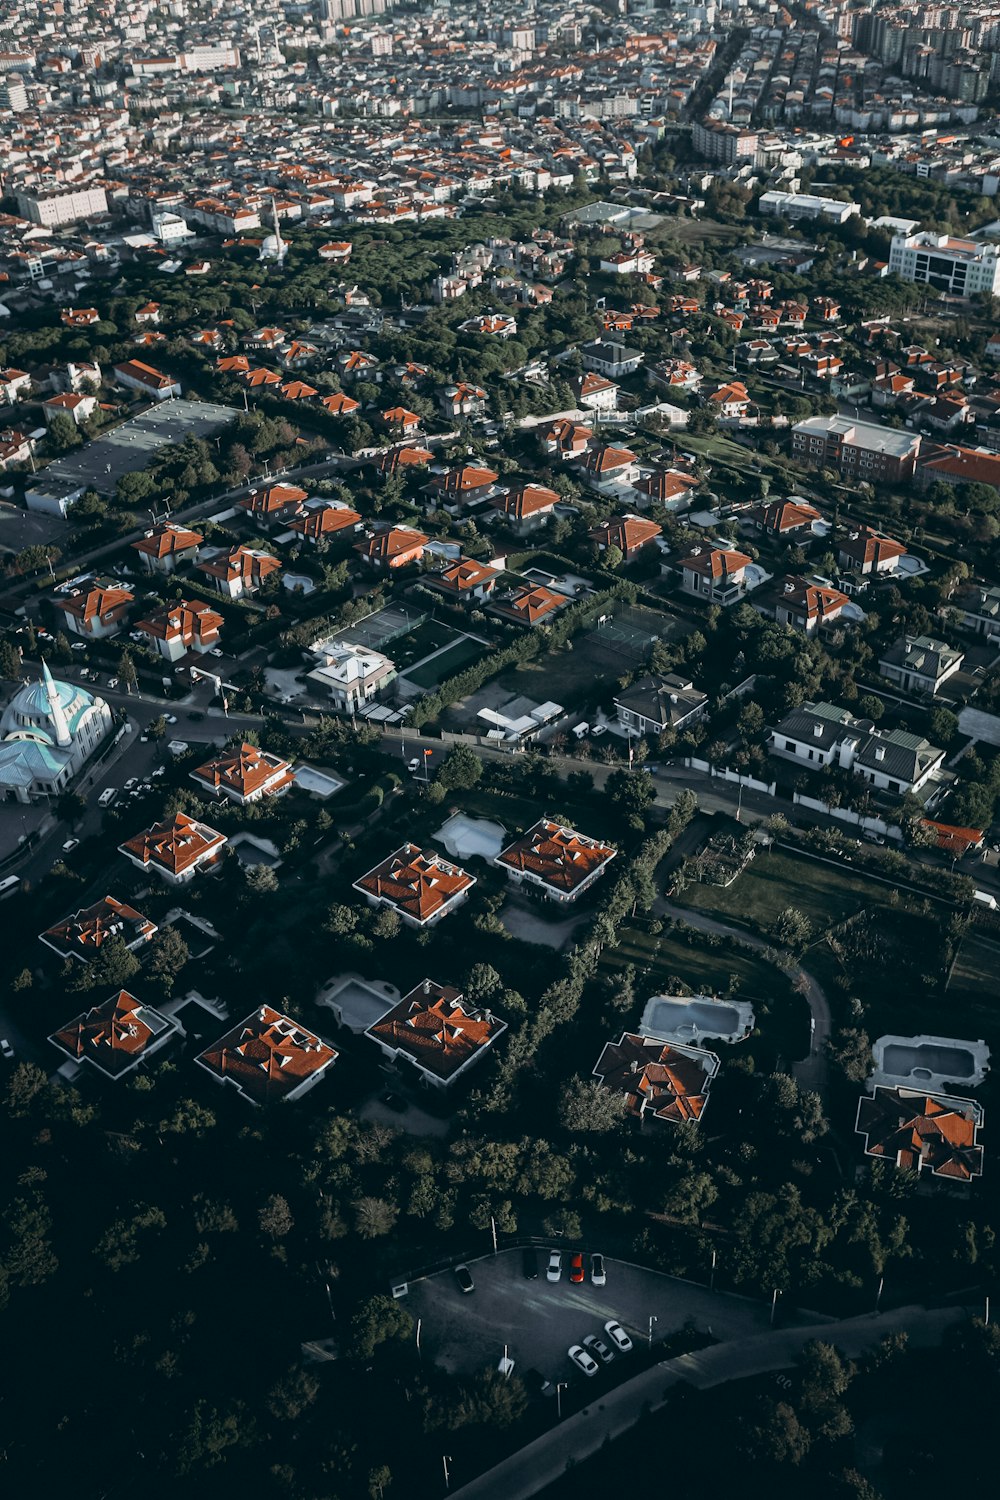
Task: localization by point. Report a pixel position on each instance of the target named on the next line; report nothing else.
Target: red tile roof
(663, 1081)
(558, 855)
(464, 575)
(461, 481)
(418, 885)
(275, 500)
(922, 1132)
(526, 500)
(112, 1035)
(437, 1028)
(604, 460)
(325, 521)
(268, 1056)
(339, 405)
(245, 769)
(627, 533)
(105, 601)
(167, 540)
(529, 605)
(715, 563)
(189, 620)
(396, 546)
(784, 515)
(85, 931)
(176, 844)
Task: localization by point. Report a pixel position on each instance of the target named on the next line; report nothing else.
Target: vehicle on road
(618, 1336)
(112, 682)
(583, 1360)
(576, 1271)
(170, 718)
(70, 845)
(9, 885)
(598, 1274)
(598, 1348)
(413, 765)
(6, 1048)
(160, 771)
(529, 1264)
(553, 1270)
(464, 1278)
(132, 781)
(107, 796)
(215, 651)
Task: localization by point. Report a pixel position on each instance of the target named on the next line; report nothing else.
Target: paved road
(544, 1461)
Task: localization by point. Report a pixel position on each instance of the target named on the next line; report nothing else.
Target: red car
(576, 1266)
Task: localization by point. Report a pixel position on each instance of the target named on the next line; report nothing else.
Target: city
(499, 743)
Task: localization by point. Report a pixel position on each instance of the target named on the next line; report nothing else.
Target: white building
(352, 675)
(807, 206)
(959, 267)
(48, 731)
(822, 735)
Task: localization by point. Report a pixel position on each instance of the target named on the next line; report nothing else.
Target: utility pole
(774, 1304)
(561, 1386)
(493, 1232)
(446, 1459)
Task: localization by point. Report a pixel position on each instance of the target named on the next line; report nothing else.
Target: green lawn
(451, 661)
(824, 893)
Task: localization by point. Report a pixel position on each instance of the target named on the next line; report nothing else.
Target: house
(115, 1036)
(529, 605)
(339, 405)
(628, 533)
(260, 378)
(420, 888)
(435, 1033)
(268, 1058)
(716, 575)
(14, 384)
(659, 1080)
(784, 518)
(298, 390)
(395, 547)
(167, 545)
(821, 734)
(930, 1133)
(560, 862)
(176, 849)
(188, 625)
(460, 488)
(233, 364)
(731, 401)
(239, 571)
(673, 375)
(150, 313)
(79, 317)
(83, 933)
(321, 523)
(956, 465)
(808, 603)
(978, 608)
(151, 383)
(275, 505)
(953, 840)
(628, 263)
(606, 357)
(401, 422)
(869, 553)
(244, 773)
(462, 400)
(398, 460)
(664, 487)
(79, 409)
(16, 448)
(352, 675)
(594, 392)
(493, 324)
(466, 581)
(652, 705)
(354, 364)
(94, 608)
(568, 439)
(920, 664)
(527, 507)
(338, 250)
(607, 468)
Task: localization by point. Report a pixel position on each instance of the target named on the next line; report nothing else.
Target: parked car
(576, 1271)
(464, 1278)
(553, 1271)
(78, 646)
(132, 781)
(215, 651)
(170, 718)
(598, 1275)
(529, 1264)
(618, 1336)
(112, 682)
(70, 845)
(583, 1360)
(6, 1048)
(414, 764)
(599, 1348)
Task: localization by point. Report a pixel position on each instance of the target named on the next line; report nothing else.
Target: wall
(725, 774)
(848, 815)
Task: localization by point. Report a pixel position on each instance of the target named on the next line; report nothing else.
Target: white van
(107, 796)
(580, 731)
(985, 899)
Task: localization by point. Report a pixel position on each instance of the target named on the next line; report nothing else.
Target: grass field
(456, 656)
(824, 893)
(972, 987)
(420, 642)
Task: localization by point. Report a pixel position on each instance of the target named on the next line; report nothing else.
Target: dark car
(529, 1264)
(576, 1271)
(464, 1278)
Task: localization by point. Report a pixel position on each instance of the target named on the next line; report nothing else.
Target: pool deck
(464, 837)
(929, 1067)
(690, 1018)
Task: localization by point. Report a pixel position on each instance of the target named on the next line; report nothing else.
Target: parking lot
(539, 1320)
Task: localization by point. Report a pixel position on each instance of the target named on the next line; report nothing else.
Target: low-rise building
(527, 507)
(870, 553)
(78, 408)
(353, 675)
(807, 603)
(176, 849)
(435, 1034)
(166, 546)
(860, 450)
(659, 1080)
(83, 933)
(614, 360)
(268, 1058)
(716, 575)
(394, 547)
(557, 860)
(925, 1133)
(420, 888)
(275, 505)
(115, 1036)
(466, 581)
(238, 571)
(529, 604)
(652, 705)
(244, 773)
(821, 734)
(153, 384)
(978, 609)
(628, 533)
(176, 629)
(920, 664)
(317, 524)
(94, 608)
(793, 517)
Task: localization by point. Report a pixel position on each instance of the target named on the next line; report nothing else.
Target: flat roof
(132, 446)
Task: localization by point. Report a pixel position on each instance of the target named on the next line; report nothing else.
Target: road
(545, 1460)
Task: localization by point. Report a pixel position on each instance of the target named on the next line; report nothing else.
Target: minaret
(279, 249)
(56, 711)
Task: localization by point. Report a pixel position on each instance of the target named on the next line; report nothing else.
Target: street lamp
(652, 1319)
(447, 1459)
(561, 1385)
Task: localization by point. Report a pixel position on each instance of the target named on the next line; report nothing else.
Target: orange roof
(86, 930)
(437, 1028)
(557, 855)
(190, 620)
(297, 390)
(395, 546)
(167, 540)
(627, 533)
(465, 574)
(244, 563)
(175, 845)
(785, 515)
(921, 1131)
(325, 520)
(339, 405)
(461, 481)
(398, 416)
(268, 1056)
(112, 1035)
(418, 885)
(715, 563)
(526, 500)
(245, 769)
(102, 600)
(145, 374)
(816, 600)
(871, 546)
(529, 605)
(602, 459)
(274, 500)
(567, 435)
(953, 839)
(666, 1082)
(665, 485)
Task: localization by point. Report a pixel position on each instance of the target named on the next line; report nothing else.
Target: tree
(587, 1107)
(126, 672)
(158, 728)
(169, 954)
(851, 1050)
(27, 1082)
(461, 769)
(275, 1217)
(377, 1320)
(261, 880)
(63, 433)
(632, 791)
(112, 969)
(481, 982)
(341, 920)
(374, 1217)
(10, 661)
(870, 707)
(71, 808)
(792, 928)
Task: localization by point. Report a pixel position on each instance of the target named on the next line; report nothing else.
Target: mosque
(48, 732)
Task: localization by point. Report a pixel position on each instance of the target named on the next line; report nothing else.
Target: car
(582, 1360)
(160, 771)
(393, 1101)
(598, 1275)
(464, 1278)
(70, 845)
(529, 1264)
(6, 1048)
(598, 1348)
(413, 765)
(170, 718)
(215, 651)
(144, 739)
(112, 682)
(78, 646)
(576, 1271)
(553, 1271)
(132, 781)
(618, 1336)
(598, 730)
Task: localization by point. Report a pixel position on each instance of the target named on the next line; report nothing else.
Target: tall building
(959, 267)
(718, 141)
(53, 209)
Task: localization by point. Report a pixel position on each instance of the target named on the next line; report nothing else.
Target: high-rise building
(959, 267)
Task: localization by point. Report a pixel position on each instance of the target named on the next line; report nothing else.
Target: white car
(413, 765)
(215, 651)
(618, 1336)
(78, 646)
(132, 781)
(582, 1360)
(598, 1348)
(70, 845)
(112, 682)
(553, 1271)
(6, 1048)
(170, 718)
(598, 1273)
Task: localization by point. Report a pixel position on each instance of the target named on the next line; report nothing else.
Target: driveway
(539, 1320)
(523, 920)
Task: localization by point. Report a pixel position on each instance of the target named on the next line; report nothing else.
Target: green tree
(481, 982)
(63, 433)
(461, 770)
(379, 1319)
(792, 928)
(631, 791)
(10, 662)
(587, 1107)
(374, 1217)
(275, 1217)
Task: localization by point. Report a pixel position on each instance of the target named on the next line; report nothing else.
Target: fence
(723, 773)
(848, 815)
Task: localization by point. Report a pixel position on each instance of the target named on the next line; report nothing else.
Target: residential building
(176, 629)
(664, 487)
(594, 392)
(557, 860)
(977, 606)
(94, 608)
(529, 605)
(176, 849)
(420, 888)
(566, 438)
(796, 206)
(730, 401)
(83, 933)
(628, 533)
(860, 450)
(276, 505)
(920, 664)
(241, 570)
(808, 603)
(456, 490)
(526, 508)
(467, 581)
(925, 1133)
(961, 268)
(244, 773)
(716, 575)
(167, 545)
(150, 383)
(957, 465)
(793, 517)
(606, 469)
(78, 408)
(605, 357)
(395, 547)
(462, 400)
(115, 1036)
(821, 734)
(435, 1035)
(652, 705)
(870, 553)
(658, 1080)
(321, 523)
(352, 675)
(717, 140)
(268, 1058)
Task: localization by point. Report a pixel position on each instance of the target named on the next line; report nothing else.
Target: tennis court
(384, 625)
(630, 633)
(446, 663)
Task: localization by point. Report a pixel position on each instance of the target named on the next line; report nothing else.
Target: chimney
(818, 731)
(880, 752)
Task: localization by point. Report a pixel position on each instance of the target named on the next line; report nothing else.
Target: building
(188, 625)
(239, 571)
(819, 735)
(925, 1133)
(48, 732)
(716, 575)
(94, 609)
(796, 206)
(557, 860)
(395, 547)
(977, 607)
(628, 533)
(166, 546)
(176, 849)
(959, 267)
(860, 450)
(115, 1036)
(808, 603)
(435, 1034)
(465, 581)
(317, 524)
(594, 392)
(529, 605)
(83, 933)
(275, 505)
(78, 408)
(52, 210)
(920, 664)
(420, 888)
(526, 508)
(458, 489)
(784, 518)
(658, 1080)
(870, 553)
(268, 1058)
(605, 357)
(244, 773)
(716, 140)
(352, 675)
(653, 705)
(151, 383)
